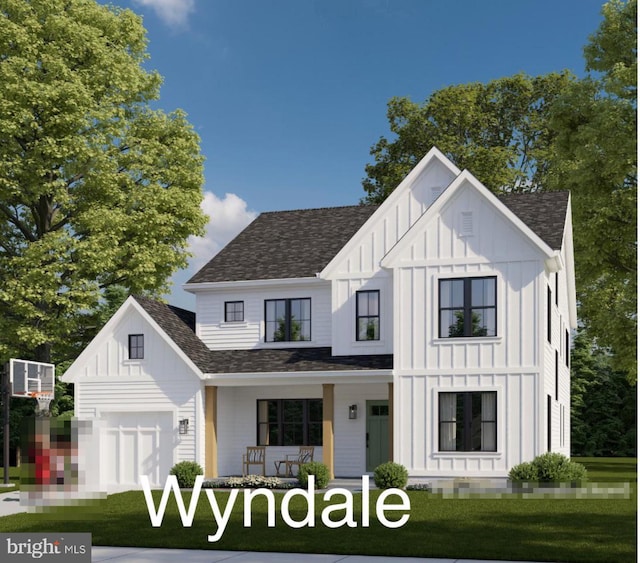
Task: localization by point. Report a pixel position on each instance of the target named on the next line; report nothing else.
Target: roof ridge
(327, 208)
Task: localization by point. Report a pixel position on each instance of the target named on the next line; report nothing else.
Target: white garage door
(135, 444)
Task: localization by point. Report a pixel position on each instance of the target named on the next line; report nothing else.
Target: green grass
(14, 479)
(513, 528)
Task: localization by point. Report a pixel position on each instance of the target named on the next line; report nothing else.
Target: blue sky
(289, 95)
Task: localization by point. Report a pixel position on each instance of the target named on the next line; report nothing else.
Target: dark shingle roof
(179, 325)
(543, 212)
(292, 359)
(285, 244)
(298, 244)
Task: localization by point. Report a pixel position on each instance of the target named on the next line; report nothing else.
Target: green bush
(390, 475)
(523, 473)
(319, 470)
(549, 468)
(186, 473)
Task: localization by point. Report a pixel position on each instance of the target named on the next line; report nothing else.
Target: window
(233, 311)
(368, 315)
(467, 307)
(548, 423)
(557, 288)
(287, 320)
(468, 422)
(290, 422)
(549, 314)
(136, 346)
(567, 347)
(557, 375)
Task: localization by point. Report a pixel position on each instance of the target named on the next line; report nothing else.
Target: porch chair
(304, 455)
(255, 456)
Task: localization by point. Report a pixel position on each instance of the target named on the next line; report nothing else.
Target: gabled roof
(544, 213)
(285, 244)
(179, 325)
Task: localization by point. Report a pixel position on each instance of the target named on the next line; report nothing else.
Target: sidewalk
(148, 555)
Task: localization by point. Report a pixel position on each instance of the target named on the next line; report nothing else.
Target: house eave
(251, 284)
(351, 377)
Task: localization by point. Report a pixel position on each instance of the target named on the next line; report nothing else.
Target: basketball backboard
(29, 379)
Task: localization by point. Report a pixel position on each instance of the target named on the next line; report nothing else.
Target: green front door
(377, 433)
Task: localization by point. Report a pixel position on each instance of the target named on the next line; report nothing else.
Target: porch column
(327, 426)
(390, 421)
(211, 432)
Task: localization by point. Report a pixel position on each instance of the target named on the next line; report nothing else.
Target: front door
(377, 433)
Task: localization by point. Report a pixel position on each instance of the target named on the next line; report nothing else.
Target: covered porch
(347, 416)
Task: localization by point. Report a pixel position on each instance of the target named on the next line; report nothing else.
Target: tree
(603, 406)
(96, 188)
(595, 156)
(496, 130)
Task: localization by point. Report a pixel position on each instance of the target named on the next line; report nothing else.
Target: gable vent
(435, 192)
(466, 223)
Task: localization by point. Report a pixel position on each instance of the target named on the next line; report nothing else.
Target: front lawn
(513, 528)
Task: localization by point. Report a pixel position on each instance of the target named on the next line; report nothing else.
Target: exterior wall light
(183, 427)
(353, 412)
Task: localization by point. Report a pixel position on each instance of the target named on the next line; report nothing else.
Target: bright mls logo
(71, 548)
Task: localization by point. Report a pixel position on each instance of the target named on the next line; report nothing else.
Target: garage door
(135, 444)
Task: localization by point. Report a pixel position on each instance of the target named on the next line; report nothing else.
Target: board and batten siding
(359, 269)
(416, 432)
(161, 382)
(219, 335)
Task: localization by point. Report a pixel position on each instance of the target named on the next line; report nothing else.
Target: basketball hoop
(44, 399)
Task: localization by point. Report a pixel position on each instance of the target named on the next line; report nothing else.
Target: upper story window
(136, 346)
(368, 315)
(233, 311)
(467, 422)
(467, 307)
(287, 320)
(549, 314)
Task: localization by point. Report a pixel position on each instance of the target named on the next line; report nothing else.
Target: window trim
(226, 312)
(280, 422)
(467, 306)
(467, 422)
(358, 316)
(288, 301)
(138, 347)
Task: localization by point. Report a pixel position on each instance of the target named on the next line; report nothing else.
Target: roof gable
(395, 216)
(171, 324)
(518, 210)
(285, 244)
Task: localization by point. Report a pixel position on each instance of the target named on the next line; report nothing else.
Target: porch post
(327, 426)
(391, 422)
(211, 432)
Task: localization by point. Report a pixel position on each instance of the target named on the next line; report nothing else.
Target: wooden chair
(255, 456)
(304, 455)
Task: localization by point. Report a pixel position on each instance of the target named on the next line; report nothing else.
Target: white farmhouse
(432, 330)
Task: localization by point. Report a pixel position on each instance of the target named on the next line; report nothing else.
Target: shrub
(549, 468)
(319, 470)
(523, 473)
(390, 475)
(186, 473)
(557, 468)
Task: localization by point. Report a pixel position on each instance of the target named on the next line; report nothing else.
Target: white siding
(360, 268)
(161, 382)
(416, 430)
(344, 316)
(218, 335)
(237, 425)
